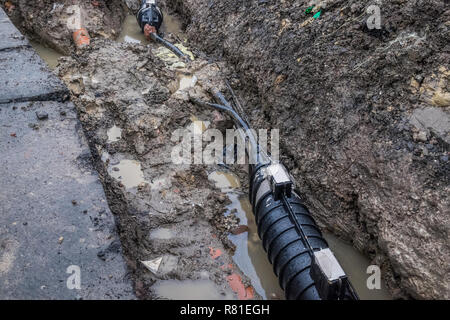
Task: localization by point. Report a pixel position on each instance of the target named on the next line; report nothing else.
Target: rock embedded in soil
(41, 115)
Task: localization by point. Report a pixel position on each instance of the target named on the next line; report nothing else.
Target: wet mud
(369, 162)
(354, 108)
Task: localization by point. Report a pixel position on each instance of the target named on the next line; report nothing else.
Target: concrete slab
(23, 74)
(53, 212)
(10, 36)
(25, 77)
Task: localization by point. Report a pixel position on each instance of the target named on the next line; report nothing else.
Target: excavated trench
(364, 116)
(187, 231)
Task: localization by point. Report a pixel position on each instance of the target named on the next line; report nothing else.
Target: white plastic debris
(153, 265)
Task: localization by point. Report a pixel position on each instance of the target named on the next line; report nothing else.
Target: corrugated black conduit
(289, 234)
(282, 238)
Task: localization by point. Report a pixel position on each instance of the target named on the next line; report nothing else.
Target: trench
(249, 254)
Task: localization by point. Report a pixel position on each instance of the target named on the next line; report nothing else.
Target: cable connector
(280, 180)
(331, 281)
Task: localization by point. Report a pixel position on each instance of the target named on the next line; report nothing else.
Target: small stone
(84, 211)
(74, 202)
(116, 169)
(420, 136)
(33, 126)
(63, 113)
(240, 229)
(410, 146)
(221, 198)
(101, 255)
(41, 115)
(60, 240)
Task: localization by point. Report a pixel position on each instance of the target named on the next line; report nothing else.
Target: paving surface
(54, 217)
(23, 75)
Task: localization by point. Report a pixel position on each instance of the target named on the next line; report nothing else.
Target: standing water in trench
(249, 256)
(132, 33)
(252, 259)
(47, 54)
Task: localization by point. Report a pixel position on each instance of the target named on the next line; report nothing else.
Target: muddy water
(114, 134)
(189, 290)
(128, 172)
(49, 55)
(355, 265)
(252, 259)
(162, 234)
(173, 25)
(249, 256)
(132, 33)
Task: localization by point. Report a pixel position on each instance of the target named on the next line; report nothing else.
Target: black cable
(227, 107)
(170, 46)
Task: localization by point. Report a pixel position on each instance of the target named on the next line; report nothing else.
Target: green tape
(309, 9)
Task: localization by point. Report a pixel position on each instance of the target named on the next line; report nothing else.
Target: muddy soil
(53, 22)
(170, 217)
(363, 115)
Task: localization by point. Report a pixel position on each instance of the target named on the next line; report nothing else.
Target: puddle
(128, 172)
(189, 290)
(162, 234)
(249, 256)
(49, 55)
(131, 32)
(173, 25)
(224, 180)
(114, 134)
(355, 265)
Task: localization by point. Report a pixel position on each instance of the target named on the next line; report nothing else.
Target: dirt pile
(53, 22)
(363, 115)
(129, 99)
